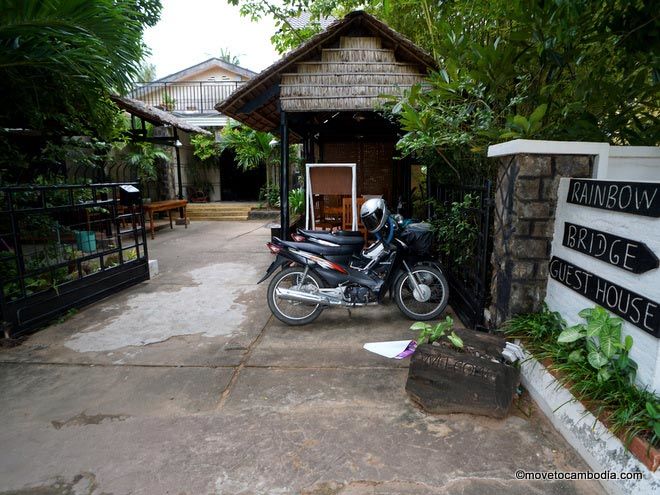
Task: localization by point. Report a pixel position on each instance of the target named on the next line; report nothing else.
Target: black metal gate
(65, 246)
(468, 271)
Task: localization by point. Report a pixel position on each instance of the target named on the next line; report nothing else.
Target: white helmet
(374, 214)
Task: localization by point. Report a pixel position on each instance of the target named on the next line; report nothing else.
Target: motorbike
(329, 270)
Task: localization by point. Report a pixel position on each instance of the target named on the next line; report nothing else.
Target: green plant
(610, 394)
(536, 329)
(599, 342)
(653, 421)
(205, 147)
(227, 56)
(253, 149)
(456, 229)
(145, 157)
(168, 102)
(271, 195)
(61, 58)
(432, 333)
(297, 201)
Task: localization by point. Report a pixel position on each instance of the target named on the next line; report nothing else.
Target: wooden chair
(347, 215)
(327, 212)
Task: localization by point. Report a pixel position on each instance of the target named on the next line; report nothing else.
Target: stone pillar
(525, 202)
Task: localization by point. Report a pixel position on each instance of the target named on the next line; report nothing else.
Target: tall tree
(146, 73)
(560, 69)
(60, 58)
(227, 56)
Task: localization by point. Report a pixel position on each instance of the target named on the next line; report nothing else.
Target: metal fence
(468, 268)
(196, 97)
(66, 246)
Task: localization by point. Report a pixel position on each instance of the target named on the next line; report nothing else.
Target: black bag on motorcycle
(419, 238)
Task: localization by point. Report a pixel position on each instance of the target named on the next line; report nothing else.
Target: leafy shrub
(593, 362)
(271, 195)
(456, 229)
(297, 201)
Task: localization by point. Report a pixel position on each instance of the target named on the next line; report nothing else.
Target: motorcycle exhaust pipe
(306, 297)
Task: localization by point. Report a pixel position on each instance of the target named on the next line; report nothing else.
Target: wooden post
(284, 175)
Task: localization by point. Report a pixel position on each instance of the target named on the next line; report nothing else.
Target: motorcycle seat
(310, 247)
(342, 237)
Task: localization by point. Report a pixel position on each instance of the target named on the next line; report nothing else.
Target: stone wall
(525, 202)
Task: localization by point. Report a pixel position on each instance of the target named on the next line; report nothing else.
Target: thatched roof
(344, 68)
(154, 115)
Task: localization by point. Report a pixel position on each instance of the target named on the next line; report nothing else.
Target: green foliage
(146, 73)
(168, 102)
(206, 151)
(59, 59)
(270, 195)
(227, 56)
(599, 342)
(593, 361)
(205, 147)
(536, 328)
(567, 70)
(287, 36)
(145, 157)
(251, 148)
(456, 229)
(297, 201)
(653, 422)
(432, 333)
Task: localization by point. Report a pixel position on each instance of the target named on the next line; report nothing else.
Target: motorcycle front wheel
(427, 303)
(293, 312)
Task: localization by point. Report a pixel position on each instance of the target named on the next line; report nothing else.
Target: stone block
(534, 209)
(573, 166)
(526, 248)
(535, 165)
(523, 270)
(523, 228)
(542, 271)
(542, 228)
(525, 298)
(549, 186)
(528, 188)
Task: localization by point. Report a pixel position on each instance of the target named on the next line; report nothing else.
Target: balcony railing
(193, 97)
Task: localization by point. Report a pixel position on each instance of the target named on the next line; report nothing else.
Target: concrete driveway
(186, 385)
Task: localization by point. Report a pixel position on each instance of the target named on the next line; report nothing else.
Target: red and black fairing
(333, 274)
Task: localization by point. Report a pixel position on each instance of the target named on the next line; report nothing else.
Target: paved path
(187, 385)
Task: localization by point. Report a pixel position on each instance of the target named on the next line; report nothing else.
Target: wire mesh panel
(466, 262)
(65, 246)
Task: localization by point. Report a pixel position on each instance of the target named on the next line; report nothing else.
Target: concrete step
(218, 219)
(223, 208)
(219, 211)
(216, 212)
(236, 215)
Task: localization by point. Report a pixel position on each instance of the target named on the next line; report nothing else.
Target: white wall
(633, 163)
(646, 348)
(611, 162)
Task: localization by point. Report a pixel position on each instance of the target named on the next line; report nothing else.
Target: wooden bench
(168, 206)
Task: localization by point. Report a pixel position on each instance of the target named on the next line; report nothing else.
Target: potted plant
(168, 103)
(459, 370)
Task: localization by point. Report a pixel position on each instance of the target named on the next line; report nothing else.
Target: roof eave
(231, 105)
(154, 115)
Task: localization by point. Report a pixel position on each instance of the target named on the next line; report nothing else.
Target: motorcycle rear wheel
(413, 308)
(291, 312)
